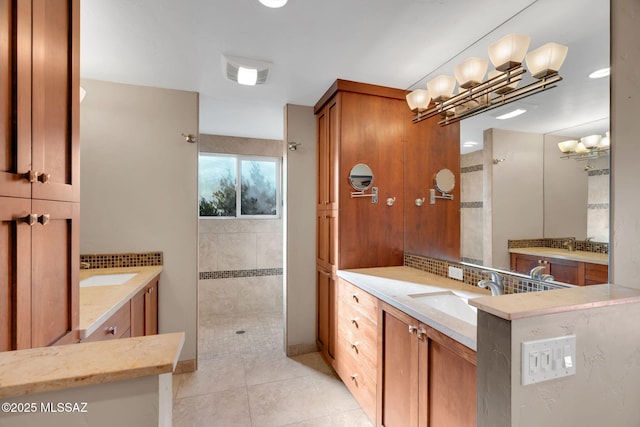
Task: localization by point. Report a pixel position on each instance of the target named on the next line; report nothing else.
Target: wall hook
(391, 201)
(189, 138)
(420, 202)
(293, 146)
(496, 161)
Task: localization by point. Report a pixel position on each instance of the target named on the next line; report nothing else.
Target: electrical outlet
(456, 273)
(547, 359)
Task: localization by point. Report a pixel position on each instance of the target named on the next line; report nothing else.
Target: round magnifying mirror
(361, 177)
(445, 180)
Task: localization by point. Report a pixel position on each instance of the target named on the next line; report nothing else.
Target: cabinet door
(151, 308)
(56, 99)
(15, 98)
(15, 274)
(325, 312)
(524, 263)
(447, 381)
(326, 234)
(399, 385)
(565, 271)
(137, 313)
(55, 267)
(328, 136)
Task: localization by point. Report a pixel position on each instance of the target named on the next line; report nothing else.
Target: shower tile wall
(598, 201)
(471, 221)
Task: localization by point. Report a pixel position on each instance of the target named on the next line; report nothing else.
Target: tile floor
(245, 380)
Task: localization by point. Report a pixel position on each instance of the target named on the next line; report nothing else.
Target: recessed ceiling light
(602, 72)
(273, 3)
(512, 114)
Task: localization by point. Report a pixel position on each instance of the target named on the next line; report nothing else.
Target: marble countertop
(98, 303)
(533, 304)
(396, 285)
(53, 368)
(582, 256)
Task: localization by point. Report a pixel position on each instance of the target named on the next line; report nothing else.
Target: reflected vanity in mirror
(361, 179)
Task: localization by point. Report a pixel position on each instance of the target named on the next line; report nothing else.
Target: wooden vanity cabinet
(144, 310)
(566, 271)
(39, 172)
(426, 378)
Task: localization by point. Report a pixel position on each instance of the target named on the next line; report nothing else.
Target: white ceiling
(397, 43)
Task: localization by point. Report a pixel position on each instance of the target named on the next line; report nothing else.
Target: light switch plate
(456, 273)
(548, 359)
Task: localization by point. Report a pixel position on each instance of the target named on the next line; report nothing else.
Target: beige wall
(565, 193)
(300, 231)
(139, 188)
(513, 198)
(625, 155)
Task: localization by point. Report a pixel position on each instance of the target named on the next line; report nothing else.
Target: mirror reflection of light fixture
(273, 3)
(476, 96)
(588, 148)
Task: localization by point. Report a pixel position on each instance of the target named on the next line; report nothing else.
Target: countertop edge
(560, 254)
(62, 367)
(92, 327)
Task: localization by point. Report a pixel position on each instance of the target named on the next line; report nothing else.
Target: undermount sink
(106, 279)
(449, 303)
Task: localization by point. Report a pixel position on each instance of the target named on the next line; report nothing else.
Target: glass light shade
(471, 72)
(441, 88)
(546, 60)
(419, 100)
(605, 143)
(505, 88)
(581, 149)
(509, 51)
(591, 140)
(567, 146)
(83, 93)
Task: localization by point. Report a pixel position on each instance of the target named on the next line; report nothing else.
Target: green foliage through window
(257, 194)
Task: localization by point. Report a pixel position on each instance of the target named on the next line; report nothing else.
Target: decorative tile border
(469, 169)
(598, 206)
(471, 205)
(145, 259)
(472, 275)
(232, 274)
(558, 243)
(598, 172)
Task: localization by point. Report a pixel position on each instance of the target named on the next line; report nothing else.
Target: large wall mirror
(543, 195)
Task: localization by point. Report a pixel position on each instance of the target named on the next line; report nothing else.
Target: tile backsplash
(144, 259)
(558, 243)
(472, 275)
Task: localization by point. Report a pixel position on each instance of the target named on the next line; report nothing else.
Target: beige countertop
(419, 294)
(53, 368)
(532, 304)
(98, 303)
(582, 256)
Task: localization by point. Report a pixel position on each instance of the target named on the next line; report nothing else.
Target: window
(239, 186)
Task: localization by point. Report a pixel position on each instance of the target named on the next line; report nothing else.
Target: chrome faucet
(536, 272)
(494, 283)
(570, 244)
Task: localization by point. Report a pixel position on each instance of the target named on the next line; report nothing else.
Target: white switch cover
(456, 273)
(548, 359)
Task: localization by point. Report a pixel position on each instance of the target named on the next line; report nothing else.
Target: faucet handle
(494, 275)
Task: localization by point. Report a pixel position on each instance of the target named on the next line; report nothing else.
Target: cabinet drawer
(361, 384)
(359, 300)
(351, 319)
(595, 273)
(117, 326)
(361, 351)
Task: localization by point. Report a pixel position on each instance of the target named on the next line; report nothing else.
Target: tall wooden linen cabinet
(39, 172)
(356, 123)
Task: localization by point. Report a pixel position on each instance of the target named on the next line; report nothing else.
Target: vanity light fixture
(588, 148)
(273, 3)
(477, 95)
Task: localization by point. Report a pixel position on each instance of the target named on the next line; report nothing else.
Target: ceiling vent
(245, 71)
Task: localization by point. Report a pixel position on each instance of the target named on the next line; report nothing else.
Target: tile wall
(471, 207)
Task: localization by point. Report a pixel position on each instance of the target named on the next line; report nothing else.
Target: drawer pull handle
(355, 297)
(354, 377)
(355, 346)
(422, 334)
(354, 321)
(113, 330)
(413, 329)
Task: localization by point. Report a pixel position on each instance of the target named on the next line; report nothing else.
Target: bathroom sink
(106, 279)
(449, 303)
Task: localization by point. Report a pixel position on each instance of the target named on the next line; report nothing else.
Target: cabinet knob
(31, 176)
(113, 330)
(30, 219)
(44, 177)
(413, 329)
(354, 377)
(150, 290)
(44, 219)
(422, 334)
